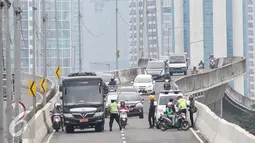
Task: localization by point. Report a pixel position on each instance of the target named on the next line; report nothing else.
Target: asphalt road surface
(136, 132)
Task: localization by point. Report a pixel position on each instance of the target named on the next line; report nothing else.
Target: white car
(163, 99)
(144, 84)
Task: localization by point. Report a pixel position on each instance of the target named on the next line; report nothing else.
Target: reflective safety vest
(182, 103)
(114, 107)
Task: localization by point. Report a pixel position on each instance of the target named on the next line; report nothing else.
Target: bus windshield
(83, 93)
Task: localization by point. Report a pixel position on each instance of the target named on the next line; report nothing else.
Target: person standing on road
(192, 110)
(182, 105)
(114, 113)
(151, 114)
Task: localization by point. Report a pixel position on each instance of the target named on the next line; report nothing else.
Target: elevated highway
(208, 88)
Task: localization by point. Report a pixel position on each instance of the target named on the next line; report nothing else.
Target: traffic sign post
(43, 85)
(32, 88)
(57, 72)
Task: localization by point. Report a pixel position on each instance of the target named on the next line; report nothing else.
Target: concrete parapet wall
(223, 74)
(239, 98)
(217, 130)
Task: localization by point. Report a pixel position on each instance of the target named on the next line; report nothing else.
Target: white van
(178, 64)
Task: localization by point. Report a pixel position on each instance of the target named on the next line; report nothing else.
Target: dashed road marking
(123, 138)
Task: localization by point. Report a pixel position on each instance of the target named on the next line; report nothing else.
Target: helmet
(191, 98)
(151, 97)
(179, 97)
(113, 100)
(194, 67)
(169, 104)
(171, 100)
(57, 105)
(122, 103)
(112, 79)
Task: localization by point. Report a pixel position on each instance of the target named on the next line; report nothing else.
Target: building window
(250, 48)
(250, 9)
(250, 25)
(250, 40)
(251, 63)
(250, 17)
(65, 5)
(250, 32)
(250, 2)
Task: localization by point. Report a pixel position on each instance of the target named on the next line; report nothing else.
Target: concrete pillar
(179, 26)
(237, 22)
(196, 32)
(219, 28)
(160, 28)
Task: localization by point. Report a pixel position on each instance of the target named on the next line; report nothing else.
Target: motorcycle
(56, 123)
(212, 64)
(201, 66)
(167, 85)
(165, 123)
(123, 118)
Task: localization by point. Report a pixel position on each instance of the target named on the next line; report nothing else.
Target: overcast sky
(102, 49)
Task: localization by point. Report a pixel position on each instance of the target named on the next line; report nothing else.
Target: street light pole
(17, 20)
(7, 5)
(117, 32)
(44, 41)
(56, 24)
(74, 58)
(79, 18)
(1, 77)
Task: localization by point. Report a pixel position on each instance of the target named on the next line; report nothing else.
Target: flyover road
(26, 99)
(136, 132)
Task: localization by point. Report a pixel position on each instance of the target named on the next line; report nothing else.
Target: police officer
(151, 112)
(182, 105)
(114, 113)
(192, 109)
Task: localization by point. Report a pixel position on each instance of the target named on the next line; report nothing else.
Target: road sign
(43, 85)
(32, 88)
(57, 72)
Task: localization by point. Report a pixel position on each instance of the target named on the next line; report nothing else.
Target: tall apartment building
(152, 31)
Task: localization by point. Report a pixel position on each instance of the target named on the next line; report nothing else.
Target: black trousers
(191, 118)
(113, 117)
(151, 118)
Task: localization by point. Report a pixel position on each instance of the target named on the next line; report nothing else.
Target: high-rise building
(152, 31)
(67, 20)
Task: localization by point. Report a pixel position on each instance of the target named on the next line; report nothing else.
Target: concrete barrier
(39, 127)
(239, 99)
(217, 130)
(192, 84)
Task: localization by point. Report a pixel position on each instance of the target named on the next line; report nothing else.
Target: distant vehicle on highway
(107, 77)
(157, 69)
(178, 64)
(144, 83)
(133, 101)
(109, 97)
(127, 89)
(83, 102)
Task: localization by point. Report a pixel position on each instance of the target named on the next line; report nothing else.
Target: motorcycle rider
(170, 112)
(211, 57)
(151, 111)
(167, 84)
(123, 106)
(194, 71)
(201, 64)
(114, 113)
(112, 82)
(182, 105)
(57, 109)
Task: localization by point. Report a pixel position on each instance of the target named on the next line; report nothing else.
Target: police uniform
(114, 114)
(182, 105)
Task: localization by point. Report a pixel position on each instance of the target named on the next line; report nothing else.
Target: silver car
(127, 89)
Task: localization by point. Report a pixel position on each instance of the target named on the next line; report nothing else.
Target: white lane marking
(198, 138)
(50, 136)
(123, 138)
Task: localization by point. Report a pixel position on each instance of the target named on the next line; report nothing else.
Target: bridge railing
(212, 127)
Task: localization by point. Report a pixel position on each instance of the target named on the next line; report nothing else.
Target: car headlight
(139, 105)
(68, 115)
(98, 114)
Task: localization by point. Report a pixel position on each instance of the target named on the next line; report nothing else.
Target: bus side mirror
(60, 88)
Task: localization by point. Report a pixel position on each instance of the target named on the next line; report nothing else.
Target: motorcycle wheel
(185, 125)
(163, 127)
